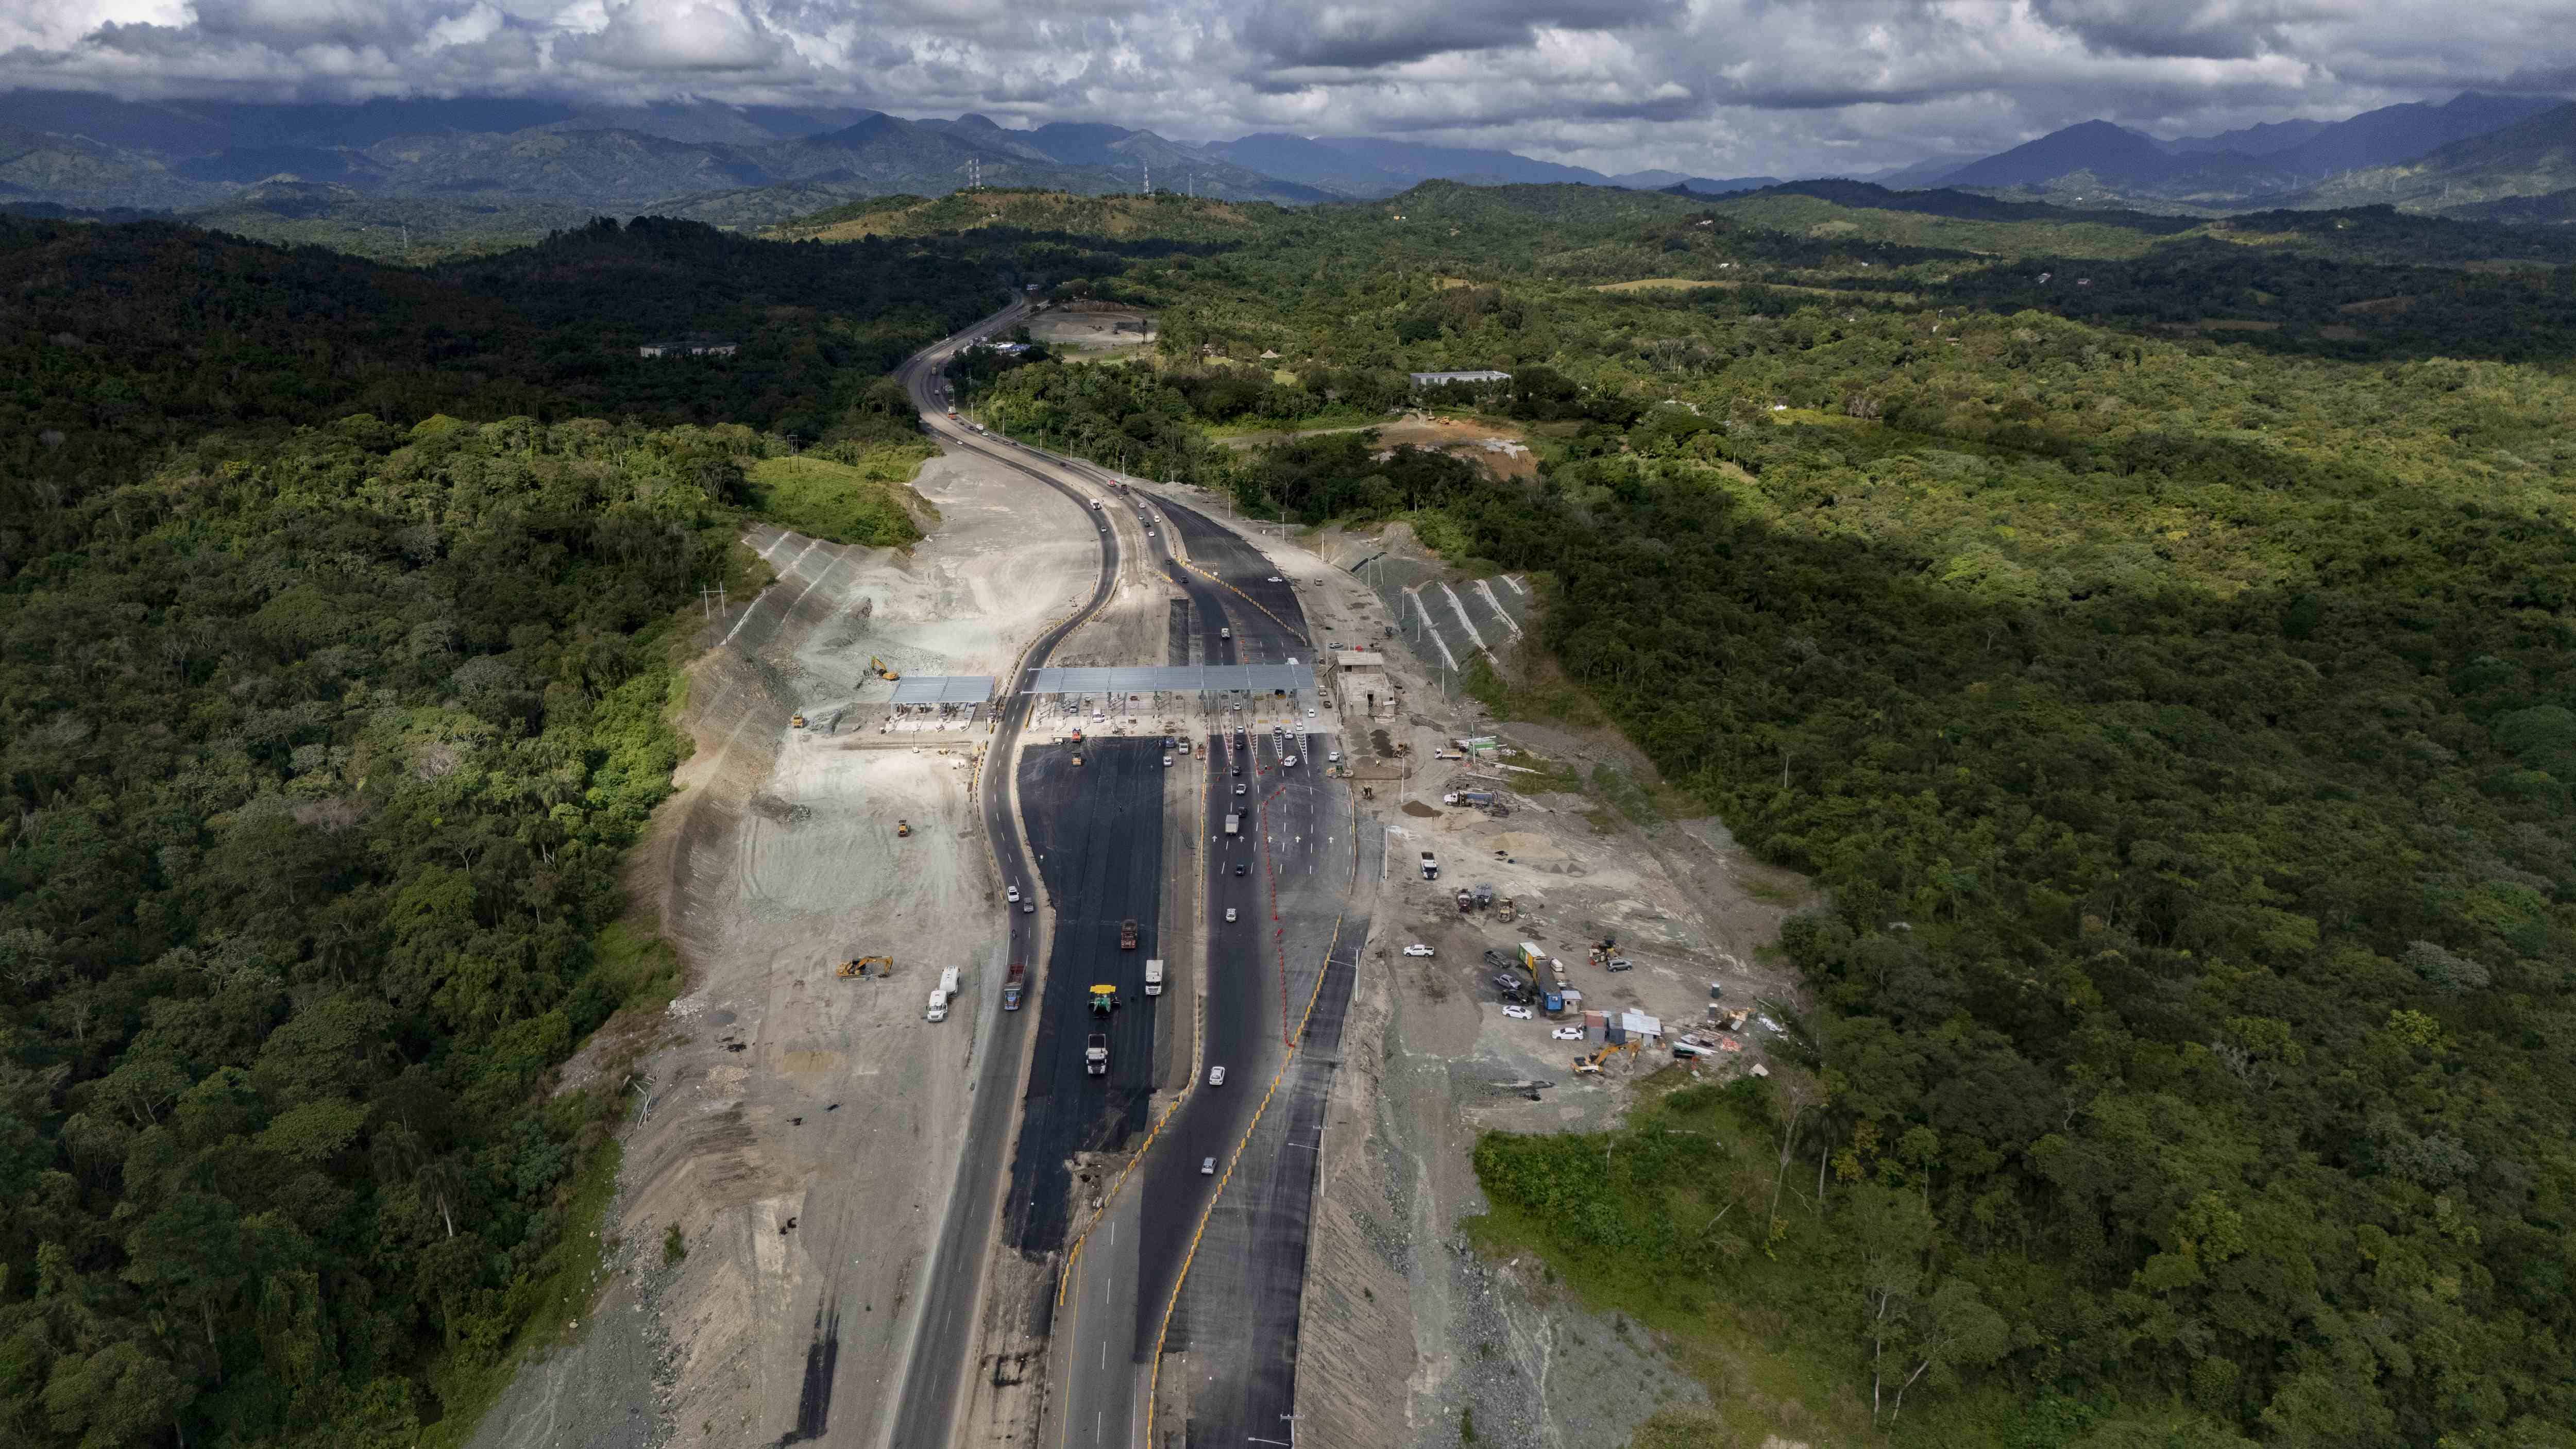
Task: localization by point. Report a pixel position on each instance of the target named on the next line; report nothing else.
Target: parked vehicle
(1417, 949)
(1154, 976)
(940, 995)
(1517, 1013)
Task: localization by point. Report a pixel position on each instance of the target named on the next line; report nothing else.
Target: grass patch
(1663, 1222)
(555, 1292)
(1626, 795)
(867, 500)
(1531, 687)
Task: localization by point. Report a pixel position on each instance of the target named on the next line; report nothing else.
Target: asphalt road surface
(943, 1343)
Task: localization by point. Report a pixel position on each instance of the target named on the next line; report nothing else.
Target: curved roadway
(943, 1341)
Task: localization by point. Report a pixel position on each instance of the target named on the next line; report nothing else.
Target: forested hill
(120, 342)
(336, 638)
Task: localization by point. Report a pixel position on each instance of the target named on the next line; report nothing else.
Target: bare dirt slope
(801, 1129)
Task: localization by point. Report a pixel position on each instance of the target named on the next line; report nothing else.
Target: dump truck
(1127, 934)
(940, 995)
(1154, 976)
(1506, 910)
(1466, 902)
(1011, 988)
(1430, 867)
(1095, 1054)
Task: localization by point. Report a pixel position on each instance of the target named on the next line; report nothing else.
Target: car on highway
(1417, 949)
(1241, 869)
(1028, 908)
(1517, 1013)
(1239, 789)
(1289, 763)
(1332, 757)
(1567, 1033)
(1229, 914)
(1274, 578)
(1234, 770)
(1216, 1076)
(1207, 1167)
(1014, 896)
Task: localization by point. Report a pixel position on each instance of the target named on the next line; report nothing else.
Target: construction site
(1107, 931)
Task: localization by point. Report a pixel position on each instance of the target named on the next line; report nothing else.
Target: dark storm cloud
(1715, 87)
(1363, 34)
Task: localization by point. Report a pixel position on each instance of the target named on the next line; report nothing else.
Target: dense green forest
(340, 614)
(2180, 720)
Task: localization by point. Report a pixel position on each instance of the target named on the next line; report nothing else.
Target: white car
(1216, 1076)
(1517, 1013)
(1567, 1033)
(1274, 578)
(1229, 915)
(1014, 895)
(1417, 949)
(1332, 757)
(1207, 1167)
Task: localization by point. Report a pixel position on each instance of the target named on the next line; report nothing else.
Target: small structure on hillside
(691, 346)
(1443, 379)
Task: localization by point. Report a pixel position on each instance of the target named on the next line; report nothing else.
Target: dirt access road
(803, 1132)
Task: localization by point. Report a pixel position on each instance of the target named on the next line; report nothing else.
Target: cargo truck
(1154, 977)
(1233, 824)
(1095, 1054)
(1011, 987)
(1430, 867)
(942, 994)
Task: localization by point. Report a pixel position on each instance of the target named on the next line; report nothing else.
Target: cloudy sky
(1711, 87)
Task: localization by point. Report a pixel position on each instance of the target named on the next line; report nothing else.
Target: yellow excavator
(1591, 1065)
(882, 670)
(858, 968)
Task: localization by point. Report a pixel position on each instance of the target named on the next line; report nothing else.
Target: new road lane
(942, 1343)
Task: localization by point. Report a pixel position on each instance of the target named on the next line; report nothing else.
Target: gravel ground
(802, 1129)
(1398, 1310)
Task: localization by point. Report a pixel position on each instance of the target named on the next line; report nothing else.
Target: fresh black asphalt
(1097, 829)
(942, 1345)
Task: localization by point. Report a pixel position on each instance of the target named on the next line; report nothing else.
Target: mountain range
(753, 166)
(2337, 162)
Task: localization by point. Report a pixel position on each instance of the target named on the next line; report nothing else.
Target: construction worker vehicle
(1104, 1000)
(856, 968)
(882, 670)
(796, 721)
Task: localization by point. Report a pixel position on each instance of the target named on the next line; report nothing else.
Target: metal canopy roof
(943, 689)
(1176, 678)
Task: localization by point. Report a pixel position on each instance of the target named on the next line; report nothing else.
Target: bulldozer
(882, 670)
(796, 720)
(857, 967)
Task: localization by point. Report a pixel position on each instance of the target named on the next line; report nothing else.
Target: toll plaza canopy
(1176, 679)
(926, 689)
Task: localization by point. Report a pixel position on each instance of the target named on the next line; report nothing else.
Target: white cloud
(1713, 87)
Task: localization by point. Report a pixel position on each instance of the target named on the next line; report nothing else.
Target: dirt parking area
(1500, 447)
(799, 1129)
(1090, 329)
